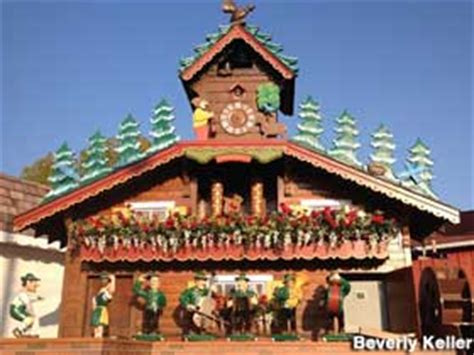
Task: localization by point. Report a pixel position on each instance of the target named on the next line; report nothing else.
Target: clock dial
(237, 118)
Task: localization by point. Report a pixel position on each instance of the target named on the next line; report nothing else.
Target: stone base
(91, 346)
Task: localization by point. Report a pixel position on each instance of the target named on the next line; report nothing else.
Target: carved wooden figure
(100, 312)
(336, 290)
(22, 308)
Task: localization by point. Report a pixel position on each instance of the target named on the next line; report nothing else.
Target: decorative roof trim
(314, 158)
(81, 194)
(237, 32)
(376, 184)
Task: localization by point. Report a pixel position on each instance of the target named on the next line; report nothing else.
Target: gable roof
(260, 42)
(263, 151)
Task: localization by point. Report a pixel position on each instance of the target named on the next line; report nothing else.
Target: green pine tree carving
(420, 161)
(96, 161)
(345, 143)
(128, 149)
(383, 150)
(310, 129)
(162, 129)
(64, 175)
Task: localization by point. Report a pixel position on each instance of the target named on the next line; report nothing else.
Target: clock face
(237, 118)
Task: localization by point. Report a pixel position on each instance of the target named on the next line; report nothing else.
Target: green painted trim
(242, 337)
(149, 337)
(205, 155)
(200, 337)
(338, 337)
(286, 337)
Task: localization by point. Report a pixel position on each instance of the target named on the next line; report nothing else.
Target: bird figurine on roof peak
(237, 14)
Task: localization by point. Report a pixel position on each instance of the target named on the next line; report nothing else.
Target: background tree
(310, 129)
(40, 169)
(345, 143)
(95, 163)
(162, 129)
(383, 150)
(128, 148)
(64, 175)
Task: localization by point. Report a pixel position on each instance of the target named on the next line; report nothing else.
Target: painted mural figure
(243, 302)
(147, 287)
(287, 298)
(100, 312)
(201, 117)
(195, 301)
(22, 308)
(337, 289)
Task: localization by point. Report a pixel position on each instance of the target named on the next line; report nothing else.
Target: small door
(364, 307)
(119, 308)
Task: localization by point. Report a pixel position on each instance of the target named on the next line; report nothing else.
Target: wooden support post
(257, 198)
(217, 198)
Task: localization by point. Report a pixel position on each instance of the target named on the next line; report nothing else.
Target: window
(261, 284)
(318, 204)
(153, 209)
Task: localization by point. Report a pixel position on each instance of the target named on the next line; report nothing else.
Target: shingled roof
(17, 196)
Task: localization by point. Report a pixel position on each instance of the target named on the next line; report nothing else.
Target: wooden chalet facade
(151, 214)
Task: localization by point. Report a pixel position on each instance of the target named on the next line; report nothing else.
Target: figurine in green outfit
(147, 287)
(100, 313)
(243, 302)
(22, 307)
(195, 300)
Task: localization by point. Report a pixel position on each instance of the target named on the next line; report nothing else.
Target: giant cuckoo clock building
(241, 197)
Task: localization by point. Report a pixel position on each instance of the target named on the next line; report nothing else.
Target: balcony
(343, 233)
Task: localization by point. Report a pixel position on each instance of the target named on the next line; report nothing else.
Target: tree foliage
(40, 169)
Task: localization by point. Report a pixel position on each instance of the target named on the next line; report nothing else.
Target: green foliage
(39, 170)
(268, 97)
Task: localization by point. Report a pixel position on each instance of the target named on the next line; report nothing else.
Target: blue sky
(71, 67)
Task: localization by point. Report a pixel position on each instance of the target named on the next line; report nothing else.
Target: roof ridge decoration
(263, 38)
(95, 166)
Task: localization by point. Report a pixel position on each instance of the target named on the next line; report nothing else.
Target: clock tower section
(242, 81)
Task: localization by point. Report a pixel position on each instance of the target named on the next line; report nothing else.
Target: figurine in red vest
(336, 290)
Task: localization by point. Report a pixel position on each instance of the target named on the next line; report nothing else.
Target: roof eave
(408, 197)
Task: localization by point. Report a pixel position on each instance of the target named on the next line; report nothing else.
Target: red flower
(329, 217)
(350, 218)
(315, 214)
(169, 223)
(263, 300)
(285, 208)
(378, 219)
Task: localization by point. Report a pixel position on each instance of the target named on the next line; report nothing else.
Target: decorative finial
(238, 14)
